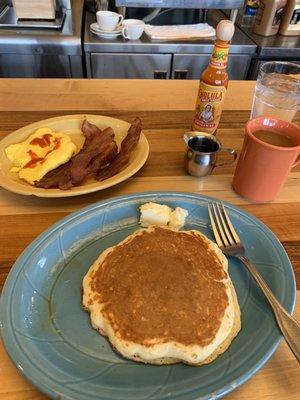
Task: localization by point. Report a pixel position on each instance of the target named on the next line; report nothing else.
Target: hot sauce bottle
(213, 82)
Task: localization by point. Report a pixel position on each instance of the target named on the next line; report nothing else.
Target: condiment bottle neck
(219, 57)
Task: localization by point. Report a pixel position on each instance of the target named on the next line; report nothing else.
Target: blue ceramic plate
(49, 336)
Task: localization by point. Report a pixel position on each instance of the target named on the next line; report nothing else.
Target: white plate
(71, 124)
(95, 27)
(106, 35)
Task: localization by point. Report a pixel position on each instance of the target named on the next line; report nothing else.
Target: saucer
(106, 35)
(95, 28)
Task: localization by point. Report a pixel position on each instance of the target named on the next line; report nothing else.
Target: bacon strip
(122, 159)
(99, 148)
(131, 139)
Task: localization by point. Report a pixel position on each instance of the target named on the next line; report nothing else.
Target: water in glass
(276, 94)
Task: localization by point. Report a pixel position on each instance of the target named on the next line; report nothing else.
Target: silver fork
(230, 244)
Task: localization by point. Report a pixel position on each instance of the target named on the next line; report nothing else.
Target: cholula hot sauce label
(208, 107)
(219, 56)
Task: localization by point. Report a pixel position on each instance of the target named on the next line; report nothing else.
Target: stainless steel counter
(228, 4)
(143, 58)
(241, 44)
(272, 48)
(276, 46)
(44, 52)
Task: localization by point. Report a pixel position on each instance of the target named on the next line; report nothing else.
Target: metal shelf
(8, 19)
(207, 4)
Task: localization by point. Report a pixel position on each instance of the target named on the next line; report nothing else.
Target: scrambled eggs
(40, 153)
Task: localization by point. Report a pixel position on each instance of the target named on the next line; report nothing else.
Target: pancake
(163, 297)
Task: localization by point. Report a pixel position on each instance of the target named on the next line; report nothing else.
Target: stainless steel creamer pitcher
(202, 153)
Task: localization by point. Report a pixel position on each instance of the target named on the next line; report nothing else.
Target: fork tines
(223, 229)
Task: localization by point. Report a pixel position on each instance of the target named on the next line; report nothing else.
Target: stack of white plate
(104, 34)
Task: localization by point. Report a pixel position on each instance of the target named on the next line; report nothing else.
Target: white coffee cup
(108, 20)
(133, 28)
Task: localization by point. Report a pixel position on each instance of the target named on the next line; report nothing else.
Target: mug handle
(297, 161)
(124, 33)
(230, 151)
(121, 18)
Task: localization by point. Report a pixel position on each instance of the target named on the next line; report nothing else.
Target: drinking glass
(277, 90)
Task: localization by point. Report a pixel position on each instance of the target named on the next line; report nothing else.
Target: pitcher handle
(230, 151)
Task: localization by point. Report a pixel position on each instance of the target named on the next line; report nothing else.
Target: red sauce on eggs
(34, 159)
(43, 141)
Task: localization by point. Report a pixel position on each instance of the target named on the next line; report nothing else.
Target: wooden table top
(166, 109)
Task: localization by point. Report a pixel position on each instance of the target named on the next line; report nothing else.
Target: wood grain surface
(166, 109)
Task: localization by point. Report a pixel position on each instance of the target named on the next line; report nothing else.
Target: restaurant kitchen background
(52, 39)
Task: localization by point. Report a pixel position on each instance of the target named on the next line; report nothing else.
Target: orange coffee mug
(270, 150)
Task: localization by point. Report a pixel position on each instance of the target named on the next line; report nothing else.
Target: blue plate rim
(52, 390)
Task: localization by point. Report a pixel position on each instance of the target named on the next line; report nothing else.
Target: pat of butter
(162, 215)
(178, 217)
(155, 214)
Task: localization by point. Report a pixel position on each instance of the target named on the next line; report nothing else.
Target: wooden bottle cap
(225, 30)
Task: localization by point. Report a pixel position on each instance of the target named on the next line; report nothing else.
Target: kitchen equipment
(42, 48)
(249, 12)
(225, 4)
(201, 5)
(231, 245)
(21, 17)
(34, 9)
(268, 17)
(202, 153)
(290, 23)
(147, 59)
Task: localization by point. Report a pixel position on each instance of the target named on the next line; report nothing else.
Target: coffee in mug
(270, 150)
(274, 138)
